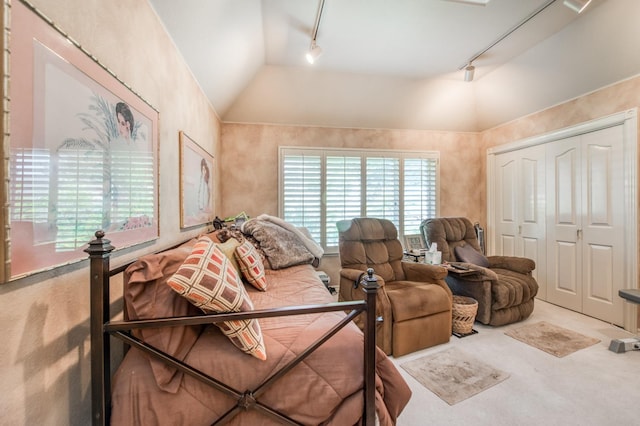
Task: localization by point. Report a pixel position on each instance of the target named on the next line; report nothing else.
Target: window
(29, 195)
(68, 196)
(319, 187)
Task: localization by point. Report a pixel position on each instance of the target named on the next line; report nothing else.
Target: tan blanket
(325, 389)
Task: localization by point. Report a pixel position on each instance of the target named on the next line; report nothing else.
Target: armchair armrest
(481, 273)
(354, 274)
(522, 265)
(423, 272)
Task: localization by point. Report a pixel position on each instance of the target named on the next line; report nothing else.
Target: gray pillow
(468, 254)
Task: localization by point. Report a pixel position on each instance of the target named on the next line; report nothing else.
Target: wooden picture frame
(196, 183)
(83, 150)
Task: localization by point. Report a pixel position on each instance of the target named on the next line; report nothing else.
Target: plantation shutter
(302, 191)
(419, 192)
(344, 193)
(80, 199)
(383, 188)
(319, 187)
(29, 196)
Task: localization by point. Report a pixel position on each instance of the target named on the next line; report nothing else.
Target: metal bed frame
(102, 328)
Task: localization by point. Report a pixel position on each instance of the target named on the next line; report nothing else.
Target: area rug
(453, 374)
(552, 339)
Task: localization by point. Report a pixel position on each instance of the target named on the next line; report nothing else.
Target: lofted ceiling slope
(396, 64)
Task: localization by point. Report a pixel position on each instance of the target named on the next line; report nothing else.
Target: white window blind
(419, 193)
(344, 192)
(29, 195)
(69, 195)
(80, 197)
(319, 187)
(383, 188)
(302, 188)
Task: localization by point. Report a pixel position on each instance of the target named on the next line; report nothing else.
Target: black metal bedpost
(370, 287)
(99, 251)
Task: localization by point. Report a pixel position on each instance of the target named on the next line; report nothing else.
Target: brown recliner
(413, 302)
(502, 285)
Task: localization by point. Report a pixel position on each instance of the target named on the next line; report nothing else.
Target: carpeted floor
(589, 387)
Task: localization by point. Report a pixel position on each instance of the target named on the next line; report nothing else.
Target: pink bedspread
(325, 389)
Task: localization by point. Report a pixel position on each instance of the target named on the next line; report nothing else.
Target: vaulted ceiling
(397, 63)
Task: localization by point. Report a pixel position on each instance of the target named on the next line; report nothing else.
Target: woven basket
(464, 314)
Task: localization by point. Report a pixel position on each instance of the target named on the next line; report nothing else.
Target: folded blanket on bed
(282, 246)
(308, 242)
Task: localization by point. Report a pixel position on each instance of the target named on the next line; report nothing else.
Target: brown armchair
(413, 302)
(502, 285)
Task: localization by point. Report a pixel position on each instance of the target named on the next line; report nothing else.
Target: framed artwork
(413, 242)
(196, 183)
(83, 151)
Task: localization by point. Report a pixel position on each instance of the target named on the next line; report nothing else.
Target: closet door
(520, 209)
(564, 269)
(585, 207)
(603, 224)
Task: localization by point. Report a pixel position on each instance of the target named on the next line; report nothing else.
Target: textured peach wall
(610, 100)
(44, 358)
(254, 189)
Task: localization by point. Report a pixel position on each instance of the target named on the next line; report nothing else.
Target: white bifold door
(585, 223)
(520, 208)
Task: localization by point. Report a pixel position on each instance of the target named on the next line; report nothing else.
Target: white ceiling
(396, 63)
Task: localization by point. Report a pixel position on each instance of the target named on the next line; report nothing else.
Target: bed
(313, 365)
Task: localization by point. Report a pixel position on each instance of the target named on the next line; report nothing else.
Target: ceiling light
(468, 72)
(314, 50)
(577, 5)
(314, 53)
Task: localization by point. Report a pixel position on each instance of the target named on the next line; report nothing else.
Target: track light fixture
(468, 72)
(577, 5)
(469, 68)
(314, 50)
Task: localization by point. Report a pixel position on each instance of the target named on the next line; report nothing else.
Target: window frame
(283, 151)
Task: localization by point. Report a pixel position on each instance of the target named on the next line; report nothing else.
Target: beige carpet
(453, 374)
(552, 339)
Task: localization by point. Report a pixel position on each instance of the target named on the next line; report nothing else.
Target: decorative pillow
(229, 248)
(207, 280)
(251, 265)
(468, 254)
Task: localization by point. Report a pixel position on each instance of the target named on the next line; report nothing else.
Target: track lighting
(314, 52)
(469, 68)
(468, 72)
(577, 5)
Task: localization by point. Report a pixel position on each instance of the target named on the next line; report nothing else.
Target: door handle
(579, 233)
